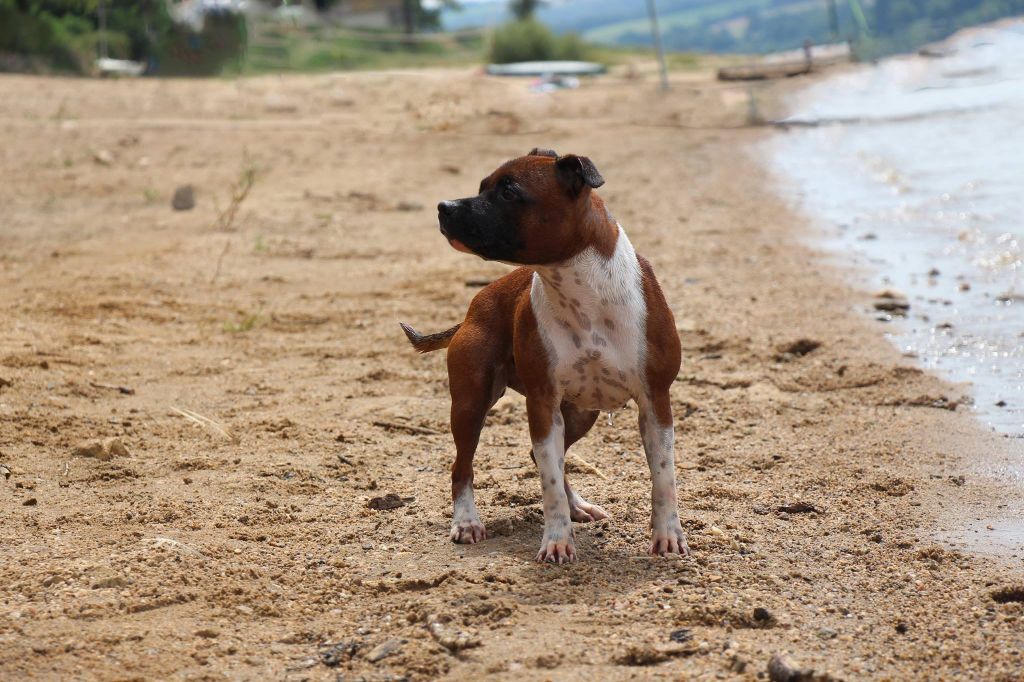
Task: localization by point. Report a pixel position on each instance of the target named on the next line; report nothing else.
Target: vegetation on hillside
(65, 35)
(525, 39)
(882, 27)
(528, 40)
(524, 9)
(753, 26)
(899, 25)
(276, 47)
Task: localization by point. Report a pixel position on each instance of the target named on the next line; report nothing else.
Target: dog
(580, 326)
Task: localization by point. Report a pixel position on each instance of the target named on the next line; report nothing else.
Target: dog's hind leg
(577, 424)
(476, 379)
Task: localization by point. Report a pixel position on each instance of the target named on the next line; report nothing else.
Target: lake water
(915, 170)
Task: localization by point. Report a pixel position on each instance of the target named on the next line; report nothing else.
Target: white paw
(557, 550)
(468, 532)
(669, 538)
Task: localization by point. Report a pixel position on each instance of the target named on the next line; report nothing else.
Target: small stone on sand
(104, 450)
(384, 650)
(184, 198)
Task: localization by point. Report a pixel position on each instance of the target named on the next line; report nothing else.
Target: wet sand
(815, 484)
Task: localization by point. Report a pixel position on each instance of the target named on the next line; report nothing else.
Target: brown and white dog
(582, 327)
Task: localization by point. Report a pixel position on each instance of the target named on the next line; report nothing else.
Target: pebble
(782, 670)
(384, 650)
(103, 157)
(109, 582)
(453, 641)
(892, 304)
(337, 654)
(389, 501)
(115, 447)
(681, 635)
(104, 450)
(89, 448)
(184, 198)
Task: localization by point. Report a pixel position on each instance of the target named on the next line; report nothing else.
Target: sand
(262, 396)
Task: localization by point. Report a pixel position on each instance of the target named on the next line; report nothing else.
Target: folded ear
(577, 172)
(537, 151)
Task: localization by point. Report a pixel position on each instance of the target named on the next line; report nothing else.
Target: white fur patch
(592, 316)
(466, 524)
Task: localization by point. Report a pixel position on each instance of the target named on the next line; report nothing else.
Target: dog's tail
(425, 344)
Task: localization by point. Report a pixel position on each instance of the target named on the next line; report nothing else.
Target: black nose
(446, 207)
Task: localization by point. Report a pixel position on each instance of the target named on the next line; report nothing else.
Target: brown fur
(664, 352)
(559, 225)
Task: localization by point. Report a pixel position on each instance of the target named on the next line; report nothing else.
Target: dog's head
(532, 210)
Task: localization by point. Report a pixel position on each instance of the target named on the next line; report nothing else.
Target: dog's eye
(508, 195)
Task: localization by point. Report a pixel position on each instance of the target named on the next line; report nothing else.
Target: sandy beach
(253, 369)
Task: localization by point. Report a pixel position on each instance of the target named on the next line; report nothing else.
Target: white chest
(592, 317)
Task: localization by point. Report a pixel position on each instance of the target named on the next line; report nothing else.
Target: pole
(833, 20)
(656, 34)
(103, 29)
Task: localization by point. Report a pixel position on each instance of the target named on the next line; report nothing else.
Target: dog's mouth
(459, 246)
(452, 241)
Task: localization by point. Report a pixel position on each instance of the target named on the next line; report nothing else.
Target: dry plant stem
(408, 428)
(207, 422)
(226, 218)
(220, 260)
(589, 467)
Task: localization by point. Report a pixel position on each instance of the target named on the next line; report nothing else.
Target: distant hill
(752, 26)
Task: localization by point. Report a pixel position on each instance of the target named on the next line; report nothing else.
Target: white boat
(119, 67)
(552, 68)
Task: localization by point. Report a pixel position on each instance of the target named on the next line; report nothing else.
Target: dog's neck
(591, 279)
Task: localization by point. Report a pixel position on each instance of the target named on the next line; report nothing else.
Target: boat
(548, 68)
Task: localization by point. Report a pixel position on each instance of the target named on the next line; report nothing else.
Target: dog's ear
(577, 172)
(537, 151)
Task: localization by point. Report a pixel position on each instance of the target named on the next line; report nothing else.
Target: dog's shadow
(603, 568)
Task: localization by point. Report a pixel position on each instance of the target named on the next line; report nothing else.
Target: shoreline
(810, 482)
(997, 457)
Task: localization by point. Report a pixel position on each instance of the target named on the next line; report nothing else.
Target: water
(916, 172)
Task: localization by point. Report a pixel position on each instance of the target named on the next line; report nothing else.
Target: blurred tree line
(66, 34)
(893, 25)
(525, 39)
(903, 24)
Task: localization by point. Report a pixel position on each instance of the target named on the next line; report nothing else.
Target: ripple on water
(923, 190)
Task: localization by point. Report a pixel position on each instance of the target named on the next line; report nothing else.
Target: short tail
(425, 344)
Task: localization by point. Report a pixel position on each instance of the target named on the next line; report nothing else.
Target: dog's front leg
(547, 431)
(658, 435)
